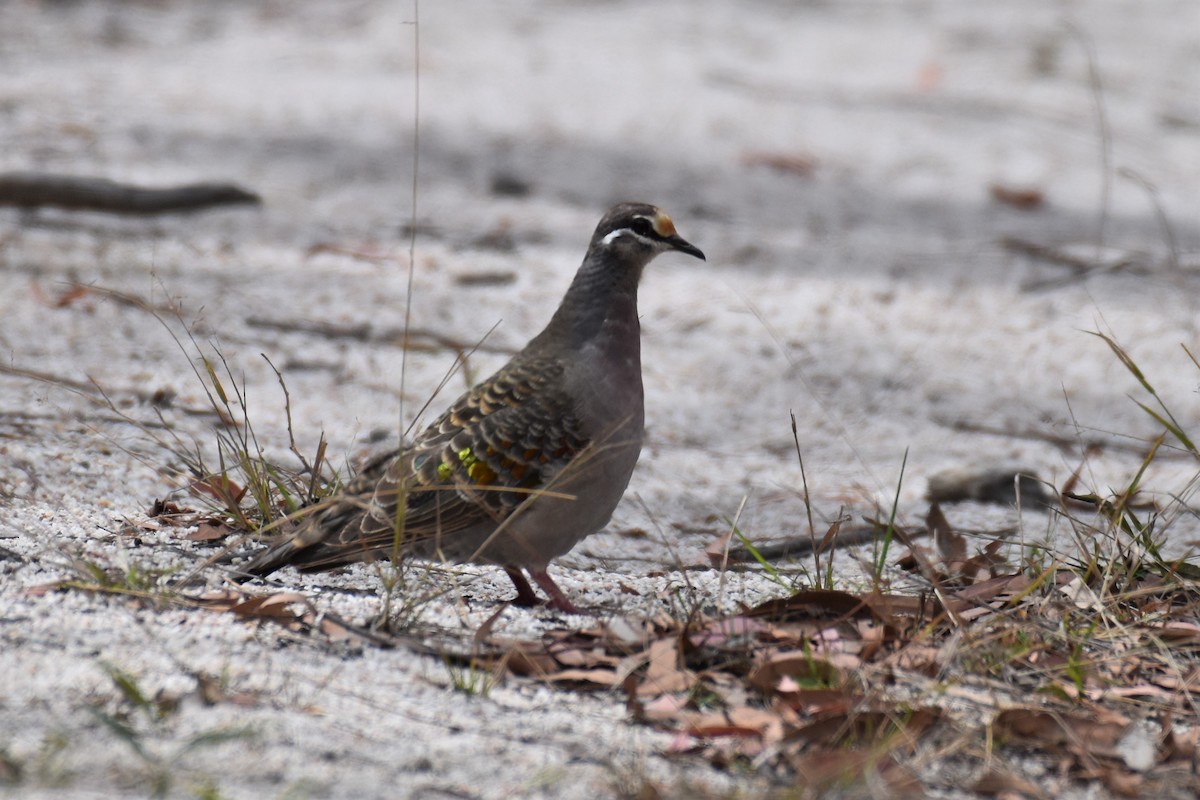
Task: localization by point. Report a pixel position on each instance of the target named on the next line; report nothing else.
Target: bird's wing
(492, 449)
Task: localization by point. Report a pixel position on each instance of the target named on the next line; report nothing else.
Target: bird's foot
(557, 598)
(528, 598)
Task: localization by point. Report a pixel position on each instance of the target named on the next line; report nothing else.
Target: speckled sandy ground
(873, 297)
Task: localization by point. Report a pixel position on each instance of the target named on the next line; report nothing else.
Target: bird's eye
(641, 226)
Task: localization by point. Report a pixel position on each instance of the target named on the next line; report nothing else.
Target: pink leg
(557, 598)
(525, 594)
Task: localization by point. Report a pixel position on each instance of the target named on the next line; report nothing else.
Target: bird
(527, 463)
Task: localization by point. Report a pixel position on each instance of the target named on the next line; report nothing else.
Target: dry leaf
(207, 532)
(739, 631)
(1075, 734)
(822, 772)
(664, 674)
(718, 549)
(801, 668)
(951, 546)
(42, 589)
(998, 780)
(795, 163)
(812, 604)
(1126, 784)
(586, 658)
(597, 677)
(166, 508)
(271, 606)
(740, 721)
(220, 488)
(1023, 198)
(530, 661)
(219, 599)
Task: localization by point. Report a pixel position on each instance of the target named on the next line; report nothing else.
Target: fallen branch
(1086, 260)
(791, 547)
(1069, 443)
(418, 338)
(38, 189)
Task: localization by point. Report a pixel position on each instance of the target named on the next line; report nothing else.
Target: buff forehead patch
(663, 225)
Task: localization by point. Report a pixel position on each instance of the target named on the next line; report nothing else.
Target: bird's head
(639, 231)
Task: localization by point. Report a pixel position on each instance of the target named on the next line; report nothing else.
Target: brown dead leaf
(270, 606)
(951, 546)
(42, 589)
(1177, 631)
(1023, 198)
(873, 728)
(802, 164)
(212, 691)
(824, 604)
(1178, 746)
(1073, 733)
(666, 705)
(801, 668)
(166, 508)
(1122, 782)
(485, 630)
(738, 632)
(1001, 586)
(332, 628)
(586, 658)
(67, 298)
(530, 661)
(1144, 691)
(595, 677)
(713, 726)
(368, 252)
(1173, 680)
(220, 488)
(717, 550)
(823, 771)
(664, 674)
(816, 702)
(886, 607)
(219, 599)
(741, 721)
(919, 658)
(1000, 781)
(919, 559)
(207, 532)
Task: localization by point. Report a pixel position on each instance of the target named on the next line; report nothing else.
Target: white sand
(873, 299)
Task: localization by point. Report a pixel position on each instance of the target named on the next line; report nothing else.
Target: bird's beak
(664, 229)
(678, 243)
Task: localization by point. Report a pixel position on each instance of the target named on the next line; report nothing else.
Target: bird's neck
(599, 309)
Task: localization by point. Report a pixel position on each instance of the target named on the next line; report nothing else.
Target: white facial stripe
(612, 237)
(619, 232)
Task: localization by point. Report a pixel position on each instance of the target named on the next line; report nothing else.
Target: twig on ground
(1070, 443)
(1109, 261)
(38, 189)
(418, 338)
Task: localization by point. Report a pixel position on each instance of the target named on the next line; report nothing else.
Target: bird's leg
(525, 594)
(557, 598)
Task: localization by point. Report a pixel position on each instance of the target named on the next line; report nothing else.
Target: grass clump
(142, 723)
